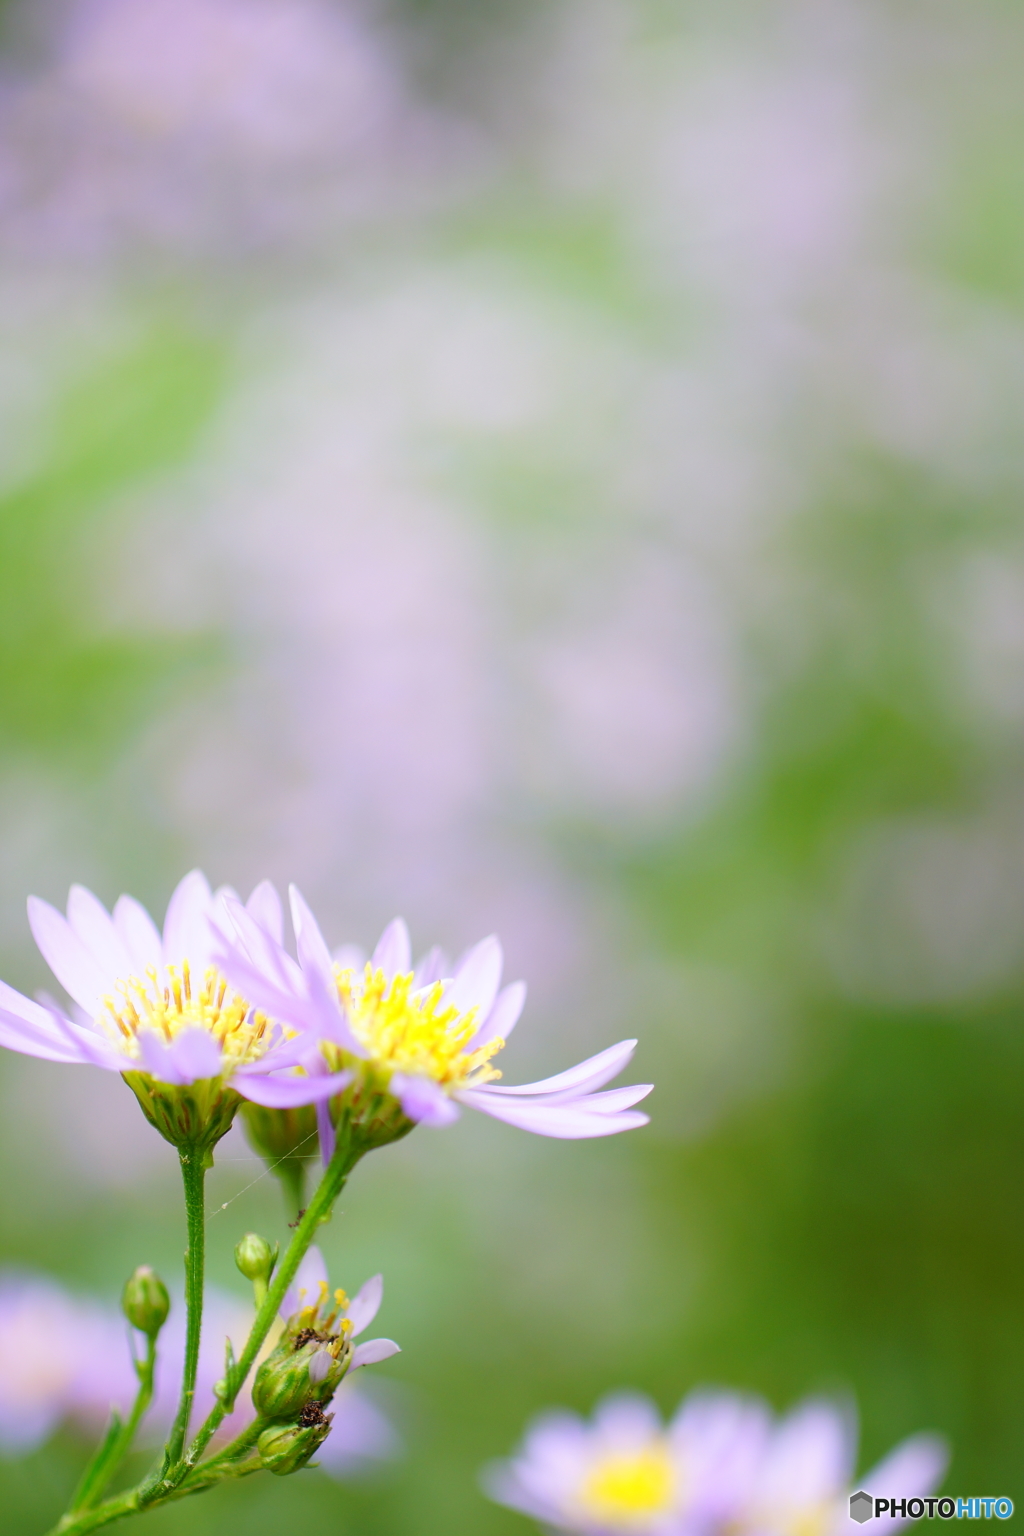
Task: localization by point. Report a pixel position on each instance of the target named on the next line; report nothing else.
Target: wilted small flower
(145, 1302)
(316, 1350)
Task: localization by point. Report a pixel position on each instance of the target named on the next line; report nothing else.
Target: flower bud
(145, 1301)
(300, 1372)
(255, 1257)
(286, 1448)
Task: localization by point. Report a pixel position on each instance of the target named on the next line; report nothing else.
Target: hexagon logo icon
(862, 1506)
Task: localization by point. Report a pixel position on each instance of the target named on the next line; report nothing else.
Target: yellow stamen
(415, 1032)
(143, 1004)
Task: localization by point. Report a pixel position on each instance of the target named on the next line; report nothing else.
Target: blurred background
(551, 469)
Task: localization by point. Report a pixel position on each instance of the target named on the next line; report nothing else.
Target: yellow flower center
(241, 1033)
(625, 1491)
(415, 1031)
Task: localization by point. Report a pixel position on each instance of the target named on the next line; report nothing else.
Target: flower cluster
(214, 1015)
(722, 1466)
(215, 1010)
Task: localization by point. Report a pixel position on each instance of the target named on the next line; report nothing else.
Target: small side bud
(255, 1257)
(145, 1301)
(286, 1448)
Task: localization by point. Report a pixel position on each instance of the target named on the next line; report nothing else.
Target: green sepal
(193, 1116)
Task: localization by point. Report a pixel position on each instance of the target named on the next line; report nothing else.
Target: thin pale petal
(196, 1055)
(567, 1122)
(304, 1290)
(34, 1033)
(69, 960)
(477, 978)
(373, 1352)
(90, 920)
(365, 1304)
(592, 1073)
(186, 926)
(289, 1092)
(318, 973)
(259, 946)
(915, 1468)
(433, 966)
(504, 1016)
(608, 1103)
(325, 1132)
(157, 1058)
(139, 935)
(264, 907)
(422, 1100)
(393, 954)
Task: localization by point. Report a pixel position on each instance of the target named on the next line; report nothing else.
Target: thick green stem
(117, 1442)
(318, 1210)
(193, 1173)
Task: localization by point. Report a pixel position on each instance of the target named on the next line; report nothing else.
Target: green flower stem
(117, 1442)
(291, 1171)
(319, 1209)
(179, 1476)
(193, 1173)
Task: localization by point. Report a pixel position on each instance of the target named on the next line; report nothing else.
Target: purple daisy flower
(423, 1037)
(805, 1477)
(720, 1466)
(153, 1004)
(626, 1471)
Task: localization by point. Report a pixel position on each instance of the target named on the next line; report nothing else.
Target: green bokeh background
(853, 1219)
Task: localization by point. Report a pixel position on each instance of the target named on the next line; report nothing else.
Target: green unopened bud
(145, 1301)
(255, 1257)
(286, 1448)
(300, 1371)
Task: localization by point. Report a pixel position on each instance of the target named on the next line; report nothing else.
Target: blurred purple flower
(61, 1359)
(720, 1465)
(805, 1476)
(149, 1003)
(429, 1032)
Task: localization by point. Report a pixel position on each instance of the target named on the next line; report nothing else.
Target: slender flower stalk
(193, 1173)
